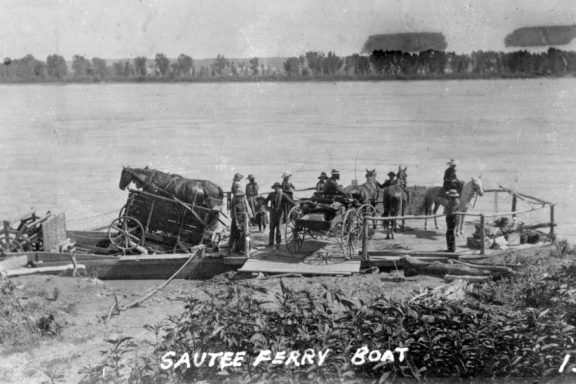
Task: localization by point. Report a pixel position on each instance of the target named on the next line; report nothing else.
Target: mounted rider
(450, 179)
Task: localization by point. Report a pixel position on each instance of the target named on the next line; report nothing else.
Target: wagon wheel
(350, 233)
(126, 233)
(362, 211)
(14, 243)
(294, 235)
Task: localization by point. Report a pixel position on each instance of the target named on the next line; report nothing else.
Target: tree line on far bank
(310, 66)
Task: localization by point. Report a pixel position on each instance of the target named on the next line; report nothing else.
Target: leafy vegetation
(24, 320)
(518, 327)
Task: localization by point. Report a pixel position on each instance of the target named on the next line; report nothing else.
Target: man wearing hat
(451, 219)
(288, 190)
(238, 211)
(321, 181)
(450, 179)
(391, 181)
(251, 195)
(332, 187)
(274, 203)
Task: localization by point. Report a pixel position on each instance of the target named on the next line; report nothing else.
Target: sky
(115, 29)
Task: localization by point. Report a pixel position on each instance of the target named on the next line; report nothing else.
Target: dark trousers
(450, 232)
(275, 220)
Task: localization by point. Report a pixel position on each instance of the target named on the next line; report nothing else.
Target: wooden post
(514, 201)
(482, 236)
(365, 239)
(247, 235)
(552, 235)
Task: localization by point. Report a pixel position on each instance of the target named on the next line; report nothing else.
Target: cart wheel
(294, 236)
(13, 243)
(350, 233)
(362, 211)
(126, 233)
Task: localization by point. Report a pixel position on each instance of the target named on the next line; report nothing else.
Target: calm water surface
(63, 147)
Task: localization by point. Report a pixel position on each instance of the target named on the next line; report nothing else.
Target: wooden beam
(40, 270)
(400, 252)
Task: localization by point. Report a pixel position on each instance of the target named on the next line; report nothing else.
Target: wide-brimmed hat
(335, 172)
(238, 176)
(323, 175)
(250, 177)
(452, 193)
(452, 162)
(391, 174)
(286, 174)
(276, 185)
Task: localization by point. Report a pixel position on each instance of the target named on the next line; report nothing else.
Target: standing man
(391, 181)
(274, 203)
(251, 195)
(288, 190)
(450, 179)
(238, 212)
(451, 219)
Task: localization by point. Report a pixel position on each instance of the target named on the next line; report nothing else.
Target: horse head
(125, 178)
(402, 176)
(370, 174)
(477, 186)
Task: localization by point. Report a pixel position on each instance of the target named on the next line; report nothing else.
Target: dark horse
(197, 192)
(395, 201)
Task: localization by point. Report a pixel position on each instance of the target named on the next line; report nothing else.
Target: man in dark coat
(274, 202)
(321, 181)
(332, 187)
(391, 181)
(451, 219)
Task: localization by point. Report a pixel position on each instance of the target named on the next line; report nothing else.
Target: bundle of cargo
(32, 233)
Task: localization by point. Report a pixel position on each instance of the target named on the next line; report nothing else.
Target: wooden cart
(162, 225)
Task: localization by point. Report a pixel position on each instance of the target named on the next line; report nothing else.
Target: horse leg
(436, 206)
(459, 225)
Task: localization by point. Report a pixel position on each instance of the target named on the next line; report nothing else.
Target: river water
(63, 146)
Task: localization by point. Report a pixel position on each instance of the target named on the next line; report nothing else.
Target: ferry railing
(482, 216)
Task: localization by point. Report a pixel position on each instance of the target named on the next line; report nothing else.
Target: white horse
(434, 196)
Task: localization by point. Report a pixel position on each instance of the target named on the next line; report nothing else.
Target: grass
(24, 320)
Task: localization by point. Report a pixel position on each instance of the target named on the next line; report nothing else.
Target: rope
(163, 285)
(95, 216)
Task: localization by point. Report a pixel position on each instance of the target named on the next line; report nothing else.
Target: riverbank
(69, 323)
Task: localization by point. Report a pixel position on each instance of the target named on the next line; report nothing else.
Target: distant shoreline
(301, 79)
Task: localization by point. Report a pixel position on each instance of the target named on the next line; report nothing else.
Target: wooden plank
(265, 266)
(403, 252)
(42, 270)
(234, 260)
